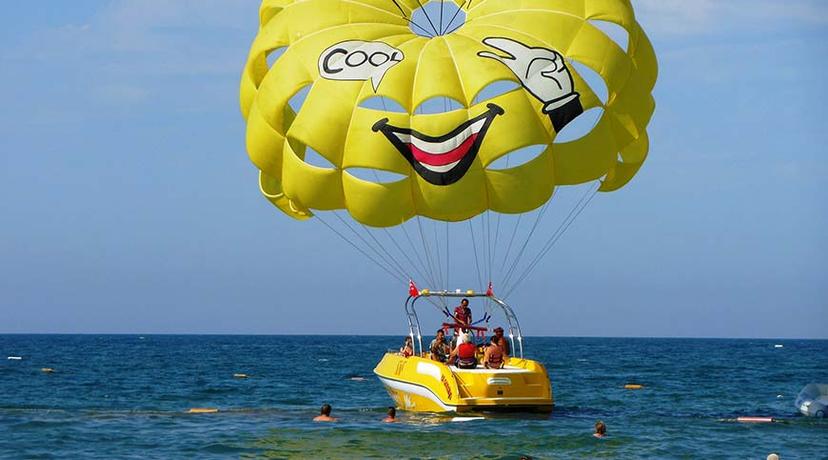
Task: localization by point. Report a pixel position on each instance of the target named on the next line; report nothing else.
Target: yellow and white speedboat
(418, 383)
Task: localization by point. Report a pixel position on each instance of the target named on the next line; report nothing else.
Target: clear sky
(128, 204)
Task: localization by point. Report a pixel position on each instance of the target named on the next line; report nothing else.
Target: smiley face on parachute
(367, 50)
(443, 159)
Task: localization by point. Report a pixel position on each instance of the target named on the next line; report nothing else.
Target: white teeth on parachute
(440, 169)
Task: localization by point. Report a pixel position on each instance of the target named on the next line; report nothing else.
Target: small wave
(222, 448)
(217, 390)
(35, 424)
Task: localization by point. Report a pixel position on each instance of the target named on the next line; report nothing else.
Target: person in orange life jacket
(463, 314)
(464, 355)
(493, 357)
(504, 344)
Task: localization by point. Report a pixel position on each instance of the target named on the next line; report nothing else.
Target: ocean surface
(125, 396)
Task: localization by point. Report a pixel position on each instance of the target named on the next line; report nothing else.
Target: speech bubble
(358, 60)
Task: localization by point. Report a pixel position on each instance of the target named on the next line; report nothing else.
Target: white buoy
(466, 419)
(15, 358)
(755, 419)
(779, 345)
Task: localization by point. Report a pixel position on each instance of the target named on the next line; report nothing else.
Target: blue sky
(129, 206)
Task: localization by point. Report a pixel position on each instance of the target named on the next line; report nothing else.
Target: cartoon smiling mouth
(441, 160)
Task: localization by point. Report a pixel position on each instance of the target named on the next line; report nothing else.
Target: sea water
(127, 397)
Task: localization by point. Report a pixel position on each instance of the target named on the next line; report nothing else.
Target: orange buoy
(202, 410)
(633, 386)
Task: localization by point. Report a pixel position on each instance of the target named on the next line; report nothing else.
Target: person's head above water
(392, 412)
(600, 428)
(326, 409)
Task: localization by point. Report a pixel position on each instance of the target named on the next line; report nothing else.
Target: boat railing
(415, 333)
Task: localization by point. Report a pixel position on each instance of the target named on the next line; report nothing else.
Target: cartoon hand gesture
(543, 73)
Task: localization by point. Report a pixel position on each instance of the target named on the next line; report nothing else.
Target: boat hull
(422, 385)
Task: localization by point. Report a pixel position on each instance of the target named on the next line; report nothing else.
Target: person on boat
(493, 357)
(439, 349)
(600, 429)
(325, 414)
(464, 355)
(463, 314)
(408, 347)
(504, 344)
(392, 415)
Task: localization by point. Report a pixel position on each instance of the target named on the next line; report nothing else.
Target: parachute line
(399, 8)
(511, 242)
(576, 211)
(476, 259)
(442, 2)
(439, 259)
(451, 21)
(340, 235)
(425, 244)
(417, 254)
(387, 252)
(522, 250)
(448, 253)
(366, 243)
(405, 254)
(425, 12)
(497, 237)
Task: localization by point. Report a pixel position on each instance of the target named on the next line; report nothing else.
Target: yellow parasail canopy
(349, 51)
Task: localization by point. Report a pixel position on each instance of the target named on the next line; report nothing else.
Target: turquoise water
(126, 397)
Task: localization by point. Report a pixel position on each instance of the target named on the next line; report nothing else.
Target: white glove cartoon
(543, 73)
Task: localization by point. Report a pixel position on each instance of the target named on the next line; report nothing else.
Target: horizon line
(233, 334)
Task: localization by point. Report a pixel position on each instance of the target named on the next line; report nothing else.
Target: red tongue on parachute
(443, 159)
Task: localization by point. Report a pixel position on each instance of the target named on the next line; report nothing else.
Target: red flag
(412, 289)
(490, 291)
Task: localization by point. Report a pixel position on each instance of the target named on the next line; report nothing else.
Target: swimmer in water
(325, 414)
(600, 429)
(392, 415)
